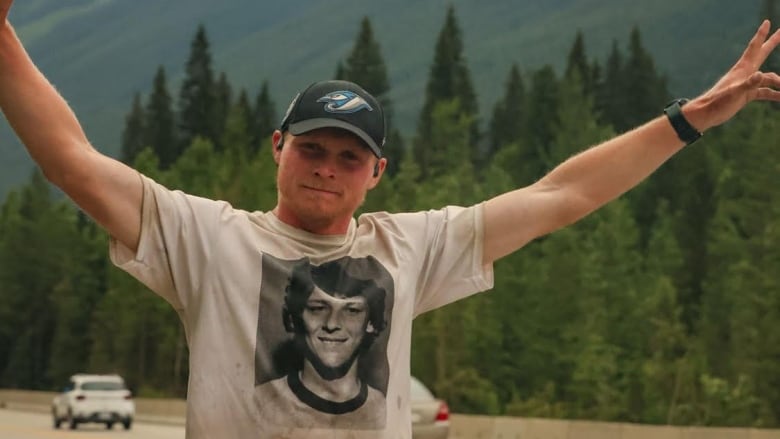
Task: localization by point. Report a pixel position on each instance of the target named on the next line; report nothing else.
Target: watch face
(680, 102)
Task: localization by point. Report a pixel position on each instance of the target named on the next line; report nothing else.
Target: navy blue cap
(338, 104)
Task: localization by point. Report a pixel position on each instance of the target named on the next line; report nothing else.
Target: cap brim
(305, 126)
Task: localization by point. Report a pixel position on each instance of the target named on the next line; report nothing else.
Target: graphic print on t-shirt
(321, 351)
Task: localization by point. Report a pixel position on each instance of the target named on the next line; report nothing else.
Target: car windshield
(102, 385)
(419, 391)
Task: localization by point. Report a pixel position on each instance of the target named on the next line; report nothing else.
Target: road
(28, 425)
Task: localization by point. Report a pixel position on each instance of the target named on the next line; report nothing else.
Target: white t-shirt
(229, 275)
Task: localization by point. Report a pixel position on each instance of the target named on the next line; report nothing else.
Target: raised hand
(743, 83)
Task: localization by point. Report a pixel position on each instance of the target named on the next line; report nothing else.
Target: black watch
(685, 131)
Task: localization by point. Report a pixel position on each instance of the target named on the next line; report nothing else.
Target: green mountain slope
(100, 52)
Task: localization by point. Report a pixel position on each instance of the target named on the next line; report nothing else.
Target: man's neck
(324, 227)
(338, 390)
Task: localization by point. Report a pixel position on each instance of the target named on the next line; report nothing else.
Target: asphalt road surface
(27, 425)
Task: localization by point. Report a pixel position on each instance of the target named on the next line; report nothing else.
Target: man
(335, 313)
(206, 258)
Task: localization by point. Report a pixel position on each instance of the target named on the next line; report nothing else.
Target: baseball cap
(337, 104)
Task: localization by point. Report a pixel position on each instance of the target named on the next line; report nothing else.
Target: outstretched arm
(600, 174)
(106, 189)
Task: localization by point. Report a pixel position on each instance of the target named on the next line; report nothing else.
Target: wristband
(685, 131)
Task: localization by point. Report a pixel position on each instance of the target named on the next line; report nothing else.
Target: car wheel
(72, 422)
(127, 423)
(109, 425)
(57, 421)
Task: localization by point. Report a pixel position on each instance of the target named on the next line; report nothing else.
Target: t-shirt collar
(307, 237)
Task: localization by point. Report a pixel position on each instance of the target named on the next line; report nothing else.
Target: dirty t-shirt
(235, 277)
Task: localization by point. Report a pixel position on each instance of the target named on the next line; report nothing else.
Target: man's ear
(277, 140)
(379, 170)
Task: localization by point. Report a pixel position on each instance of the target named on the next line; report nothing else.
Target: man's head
(329, 152)
(333, 315)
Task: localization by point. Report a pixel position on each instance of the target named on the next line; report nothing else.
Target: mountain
(100, 52)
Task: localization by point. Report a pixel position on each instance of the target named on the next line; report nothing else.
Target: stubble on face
(322, 179)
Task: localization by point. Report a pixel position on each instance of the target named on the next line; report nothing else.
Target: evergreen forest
(663, 307)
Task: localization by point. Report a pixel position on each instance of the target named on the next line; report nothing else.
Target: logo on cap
(344, 102)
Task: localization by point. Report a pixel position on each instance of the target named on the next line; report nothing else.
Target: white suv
(94, 398)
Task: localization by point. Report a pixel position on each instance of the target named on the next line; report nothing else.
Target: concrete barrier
(173, 411)
(505, 427)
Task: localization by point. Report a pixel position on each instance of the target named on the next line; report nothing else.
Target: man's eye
(350, 157)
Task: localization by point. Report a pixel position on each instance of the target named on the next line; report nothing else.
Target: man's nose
(325, 168)
(332, 323)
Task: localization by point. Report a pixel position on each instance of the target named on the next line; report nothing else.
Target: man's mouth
(330, 340)
(317, 189)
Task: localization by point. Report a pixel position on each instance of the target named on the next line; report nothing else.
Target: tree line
(662, 307)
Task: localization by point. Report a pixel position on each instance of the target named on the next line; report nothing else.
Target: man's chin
(330, 372)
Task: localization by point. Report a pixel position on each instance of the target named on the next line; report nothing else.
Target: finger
(769, 45)
(770, 79)
(753, 50)
(763, 80)
(762, 86)
(767, 94)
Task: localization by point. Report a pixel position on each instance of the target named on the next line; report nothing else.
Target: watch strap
(685, 131)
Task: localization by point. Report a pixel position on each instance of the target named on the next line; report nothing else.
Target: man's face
(335, 326)
(323, 178)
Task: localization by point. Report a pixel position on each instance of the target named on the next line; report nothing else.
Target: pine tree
(223, 103)
(133, 133)
(160, 133)
(264, 118)
(666, 369)
(449, 79)
(75, 297)
(237, 148)
(543, 104)
(606, 366)
(449, 140)
(197, 97)
(365, 66)
(509, 115)
(740, 305)
(29, 278)
(577, 126)
(611, 103)
(246, 108)
(407, 189)
(646, 87)
(578, 62)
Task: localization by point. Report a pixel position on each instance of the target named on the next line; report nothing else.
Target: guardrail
(173, 411)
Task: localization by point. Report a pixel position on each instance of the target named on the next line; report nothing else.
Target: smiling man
(334, 312)
(226, 271)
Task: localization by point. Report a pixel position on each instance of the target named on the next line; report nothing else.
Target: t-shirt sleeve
(173, 253)
(451, 260)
